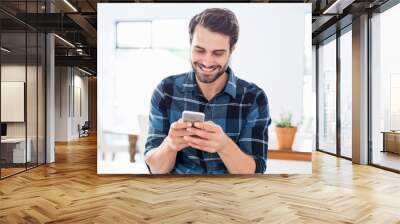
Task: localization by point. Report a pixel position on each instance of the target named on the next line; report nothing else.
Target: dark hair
(217, 20)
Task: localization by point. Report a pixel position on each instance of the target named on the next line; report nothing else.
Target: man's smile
(207, 69)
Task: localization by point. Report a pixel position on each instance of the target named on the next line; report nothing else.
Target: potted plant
(285, 132)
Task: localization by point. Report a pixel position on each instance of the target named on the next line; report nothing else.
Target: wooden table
(289, 155)
(391, 141)
(13, 150)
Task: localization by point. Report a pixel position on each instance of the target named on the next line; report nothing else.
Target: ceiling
(76, 22)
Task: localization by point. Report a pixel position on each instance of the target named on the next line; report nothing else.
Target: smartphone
(192, 116)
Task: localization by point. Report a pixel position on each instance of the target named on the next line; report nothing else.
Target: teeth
(207, 69)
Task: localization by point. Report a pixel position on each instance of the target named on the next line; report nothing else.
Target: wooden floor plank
(70, 191)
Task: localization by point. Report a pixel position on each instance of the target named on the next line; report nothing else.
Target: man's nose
(208, 61)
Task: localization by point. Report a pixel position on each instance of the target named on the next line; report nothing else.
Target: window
(395, 102)
(346, 94)
(156, 34)
(22, 65)
(385, 89)
(134, 34)
(327, 96)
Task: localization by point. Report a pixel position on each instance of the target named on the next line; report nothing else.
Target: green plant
(285, 121)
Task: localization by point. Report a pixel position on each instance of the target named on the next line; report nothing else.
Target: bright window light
(156, 34)
(134, 34)
(165, 33)
(395, 94)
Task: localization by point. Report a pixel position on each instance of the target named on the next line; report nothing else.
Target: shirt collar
(190, 83)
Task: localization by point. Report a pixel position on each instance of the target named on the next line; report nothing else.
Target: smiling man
(234, 137)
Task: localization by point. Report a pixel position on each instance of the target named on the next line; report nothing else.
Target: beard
(211, 74)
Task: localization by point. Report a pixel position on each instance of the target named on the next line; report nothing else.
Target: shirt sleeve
(158, 120)
(253, 138)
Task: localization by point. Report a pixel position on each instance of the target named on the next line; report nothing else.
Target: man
(234, 137)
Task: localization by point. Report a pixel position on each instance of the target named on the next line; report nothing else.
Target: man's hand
(175, 140)
(162, 159)
(209, 137)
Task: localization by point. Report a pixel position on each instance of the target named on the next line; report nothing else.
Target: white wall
(67, 81)
(12, 73)
(33, 126)
(80, 83)
(61, 103)
(271, 50)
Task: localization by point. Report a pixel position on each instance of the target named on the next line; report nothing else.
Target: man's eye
(199, 51)
(218, 54)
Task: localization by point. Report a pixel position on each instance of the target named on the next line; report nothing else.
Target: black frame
(44, 78)
(334, 37)
(369, 90)
(338, 97)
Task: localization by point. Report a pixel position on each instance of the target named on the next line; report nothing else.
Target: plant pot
(285, 137)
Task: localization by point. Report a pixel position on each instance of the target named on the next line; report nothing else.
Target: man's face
(210, 54)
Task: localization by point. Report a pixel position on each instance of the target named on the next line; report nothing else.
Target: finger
(208, 126)
(179, 141)
(197, 141)
(180, 133)
(201, 147)
(180, 125)
(201, 133)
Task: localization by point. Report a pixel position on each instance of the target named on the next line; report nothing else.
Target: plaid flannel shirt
(241, 109)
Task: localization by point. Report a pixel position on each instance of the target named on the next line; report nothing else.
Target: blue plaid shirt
(241, 109)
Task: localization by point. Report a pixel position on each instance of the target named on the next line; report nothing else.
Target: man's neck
(210, 90)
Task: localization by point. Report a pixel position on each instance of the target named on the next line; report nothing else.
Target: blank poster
(12, 101)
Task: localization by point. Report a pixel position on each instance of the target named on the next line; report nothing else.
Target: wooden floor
(5, 172)
(70, 191)
(10, 171)
(387, 159)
